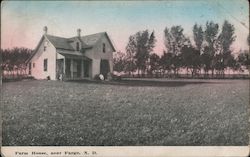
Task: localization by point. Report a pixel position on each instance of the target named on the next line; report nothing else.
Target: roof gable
(35, 50)
(87, 41)
(83, 44)
(91, 39)
(111, 43)
(59, 42)
(94, 38)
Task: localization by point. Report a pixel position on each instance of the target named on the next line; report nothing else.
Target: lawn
(131, 112)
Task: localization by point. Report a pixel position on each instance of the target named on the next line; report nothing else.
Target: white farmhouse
(72, 58)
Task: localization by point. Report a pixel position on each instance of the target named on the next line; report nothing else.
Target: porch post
(71, 68)
(82, 72)
(64, 66)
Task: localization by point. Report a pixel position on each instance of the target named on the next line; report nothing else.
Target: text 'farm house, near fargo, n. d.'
(72, 58)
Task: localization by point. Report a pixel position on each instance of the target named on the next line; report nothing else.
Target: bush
(99, 77)
(116, 77)
(113, 77)
(96, 77)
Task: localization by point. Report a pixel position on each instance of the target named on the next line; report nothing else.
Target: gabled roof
(83, 44)
(59, 42)
(92, 39)
(87, 42)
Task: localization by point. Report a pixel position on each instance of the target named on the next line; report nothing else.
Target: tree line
(13, 61)
(209, 53)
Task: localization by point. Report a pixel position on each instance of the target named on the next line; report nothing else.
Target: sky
(22, 22)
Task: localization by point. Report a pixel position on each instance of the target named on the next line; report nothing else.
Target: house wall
(95, 67)
(50, 54)
(96, 54)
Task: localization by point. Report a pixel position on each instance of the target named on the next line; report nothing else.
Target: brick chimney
(79, 32)
(45, 29)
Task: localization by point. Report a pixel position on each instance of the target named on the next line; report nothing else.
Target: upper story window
(77, 46)
(103, 48)
(34, 65)
(45, 46)
(45, 64)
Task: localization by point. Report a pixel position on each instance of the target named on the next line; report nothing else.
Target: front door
(78, 67)
(59, 68)
(86, 68)
(104, 67)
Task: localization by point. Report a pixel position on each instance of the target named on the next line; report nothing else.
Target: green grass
(187, 112)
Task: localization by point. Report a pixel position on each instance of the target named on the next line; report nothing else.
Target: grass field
(131, 112)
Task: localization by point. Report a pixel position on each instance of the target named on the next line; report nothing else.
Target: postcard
(125, 78)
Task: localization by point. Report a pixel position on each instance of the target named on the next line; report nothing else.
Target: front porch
(70, 68)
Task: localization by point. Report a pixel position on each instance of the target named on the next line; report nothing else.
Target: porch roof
(69, 54)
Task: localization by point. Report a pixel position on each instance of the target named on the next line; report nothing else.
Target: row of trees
(14, 61)
(209, 52)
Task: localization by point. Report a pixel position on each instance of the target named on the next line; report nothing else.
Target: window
(29, 68)
(77, 46)
(44, 48)
(34, 65)
(45, 64)
(103, 48)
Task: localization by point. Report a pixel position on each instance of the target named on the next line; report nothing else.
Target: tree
(5, 56)
(119, 61)
(151, 44)
(14, 60)
(140, 46)
(206, 59)
(218, 63)
(130, 55)
(244, 59)
(232, 63)
(154, 62)
(166, 62)
(225, 40)
(174, 41)
(211, 35)
(198, 35)
(190, 58)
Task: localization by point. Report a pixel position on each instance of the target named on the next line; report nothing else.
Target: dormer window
(77, 46)
(45, 46)
(103, 48)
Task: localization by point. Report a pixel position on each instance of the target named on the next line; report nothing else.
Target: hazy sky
(22, 22)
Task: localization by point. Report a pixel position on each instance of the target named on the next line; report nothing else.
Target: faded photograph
(125, 73)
